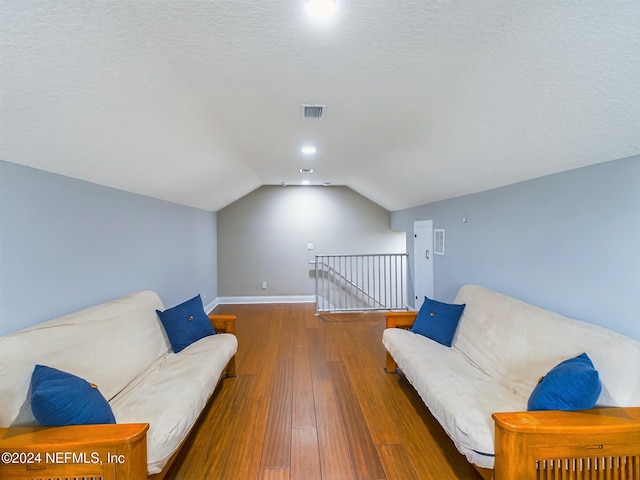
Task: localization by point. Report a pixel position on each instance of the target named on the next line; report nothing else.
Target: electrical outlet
(204, 295)
(264, 285)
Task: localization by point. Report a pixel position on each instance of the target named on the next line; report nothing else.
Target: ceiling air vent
(313, 112)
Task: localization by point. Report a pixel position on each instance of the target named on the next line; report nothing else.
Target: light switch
(310, 246)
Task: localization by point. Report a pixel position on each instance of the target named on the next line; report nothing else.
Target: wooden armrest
(401, 319)
(226, 324)
(107, 451)
(223, 323)
(552, 442)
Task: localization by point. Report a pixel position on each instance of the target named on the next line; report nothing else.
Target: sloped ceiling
(198, 102)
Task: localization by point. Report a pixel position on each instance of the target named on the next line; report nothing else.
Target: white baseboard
(210, 306)
(262, 299)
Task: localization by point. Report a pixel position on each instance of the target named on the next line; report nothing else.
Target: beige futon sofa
(156, 395)
(501, 348)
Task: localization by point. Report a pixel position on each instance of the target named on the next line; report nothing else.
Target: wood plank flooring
(311, 401)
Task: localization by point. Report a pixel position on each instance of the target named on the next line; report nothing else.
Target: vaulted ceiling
(198, 101)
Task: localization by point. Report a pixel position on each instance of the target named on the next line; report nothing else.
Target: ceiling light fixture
(306, 182)
(308, 149)
(320, 8)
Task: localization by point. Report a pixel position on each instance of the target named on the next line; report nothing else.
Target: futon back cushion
(186, 323)
(109, 344)
(573, 384)
(60, 398)
(438, 321)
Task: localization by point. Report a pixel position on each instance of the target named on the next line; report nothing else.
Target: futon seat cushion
(460, 396)
(171, 394)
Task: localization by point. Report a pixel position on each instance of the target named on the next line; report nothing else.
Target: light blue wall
(263, 236)
(66, 244)
(569, 242)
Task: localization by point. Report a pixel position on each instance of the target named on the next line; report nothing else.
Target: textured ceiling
(198, 102)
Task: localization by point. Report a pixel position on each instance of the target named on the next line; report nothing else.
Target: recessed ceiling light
(308, 149)
(306, 182)
(320, 8)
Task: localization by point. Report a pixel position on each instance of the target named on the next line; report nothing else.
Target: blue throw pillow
(186, 323)
(438, 320)
(571, 385)
(60, 398)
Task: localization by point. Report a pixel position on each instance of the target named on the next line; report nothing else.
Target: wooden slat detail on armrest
(112, 451)
(400, 319)
(226, 324)
(526, 441)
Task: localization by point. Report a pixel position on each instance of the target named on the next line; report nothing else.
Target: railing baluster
(394, 290)
(379, 262)
(368, 278)
(383, 281)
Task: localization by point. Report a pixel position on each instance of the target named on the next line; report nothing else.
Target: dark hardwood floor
(311, 401)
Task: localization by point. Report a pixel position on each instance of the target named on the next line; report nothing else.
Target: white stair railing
(360, 282)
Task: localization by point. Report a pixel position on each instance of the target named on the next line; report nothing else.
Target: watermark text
(60, 457)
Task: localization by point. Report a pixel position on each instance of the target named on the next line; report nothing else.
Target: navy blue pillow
(60, 398)
(571, 385)
(438, 320)
(186, 323)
